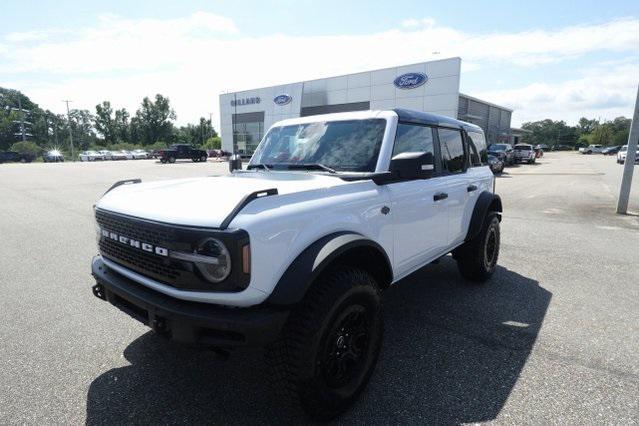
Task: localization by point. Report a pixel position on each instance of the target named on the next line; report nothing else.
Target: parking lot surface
(553, 338)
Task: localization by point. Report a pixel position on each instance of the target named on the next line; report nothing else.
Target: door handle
(440, 196)
(471, 188)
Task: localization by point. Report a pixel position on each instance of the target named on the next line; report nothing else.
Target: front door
(418, 210)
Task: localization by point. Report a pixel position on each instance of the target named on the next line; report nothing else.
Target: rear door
(419, 214)
(460, 188)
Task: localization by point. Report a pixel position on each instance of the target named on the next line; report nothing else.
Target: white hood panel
(204, 201)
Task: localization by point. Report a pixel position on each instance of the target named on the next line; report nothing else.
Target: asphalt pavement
(553, 338)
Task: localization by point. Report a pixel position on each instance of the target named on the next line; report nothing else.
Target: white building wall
(439, 95)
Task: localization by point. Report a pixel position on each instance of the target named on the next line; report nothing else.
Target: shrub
(26, 147)
(212, 143)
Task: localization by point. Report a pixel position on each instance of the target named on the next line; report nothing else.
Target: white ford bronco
(295, 252)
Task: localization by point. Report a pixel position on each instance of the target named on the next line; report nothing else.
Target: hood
(204, 201)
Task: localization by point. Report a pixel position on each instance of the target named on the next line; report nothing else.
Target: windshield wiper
(259, 165)
(309, 166)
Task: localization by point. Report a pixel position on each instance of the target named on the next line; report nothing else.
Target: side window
(478, 154)
(413, 138)
(452, 148)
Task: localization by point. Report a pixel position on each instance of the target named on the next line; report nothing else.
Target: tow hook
(158, 324)
(98, 291)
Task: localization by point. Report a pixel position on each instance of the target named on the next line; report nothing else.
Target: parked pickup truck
(182, 152)
(525, 153)
(296, 252)
(12, 156)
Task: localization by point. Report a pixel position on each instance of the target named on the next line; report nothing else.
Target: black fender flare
(486, 202)
(302, 272)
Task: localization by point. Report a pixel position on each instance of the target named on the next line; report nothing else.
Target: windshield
(624, 148)
(497, 147)
(350, 145)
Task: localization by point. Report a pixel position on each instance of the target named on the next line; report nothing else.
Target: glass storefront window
(246, 136)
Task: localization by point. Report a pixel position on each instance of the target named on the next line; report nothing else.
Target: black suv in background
(182, 151)
(15, 157)
(503, 151)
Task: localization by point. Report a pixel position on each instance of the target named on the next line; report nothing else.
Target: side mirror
(412, 165)
(235, 162)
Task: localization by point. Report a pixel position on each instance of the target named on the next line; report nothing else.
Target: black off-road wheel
(330, 344)
(171, 159)
(163, 160)
(477, 258)
(203, 158)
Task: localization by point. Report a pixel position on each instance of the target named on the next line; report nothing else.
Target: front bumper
(193, 323)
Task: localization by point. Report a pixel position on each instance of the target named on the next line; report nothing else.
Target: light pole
(70, 132)
(628, 167)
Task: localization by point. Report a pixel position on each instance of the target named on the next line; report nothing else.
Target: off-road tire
(163, 160)
(171, 159)
(477, 258)
(341, 311)
(203, 158)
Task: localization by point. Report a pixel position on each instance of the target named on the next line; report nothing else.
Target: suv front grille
(177, 273)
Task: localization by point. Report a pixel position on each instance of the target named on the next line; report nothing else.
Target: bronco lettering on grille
(122, 239)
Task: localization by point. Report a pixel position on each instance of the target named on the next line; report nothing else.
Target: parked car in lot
(296, 252)
(610, 150)
(621, 155)
(525, 153)
(90, 156)
(218, 153)
(119, 155)
(542, 146)
(140, 154)
(182, 151)
(562, 147)
(591, 149)
(503, 151)
(52, 156)
(496, 164)
(106, 154)
(16, 157)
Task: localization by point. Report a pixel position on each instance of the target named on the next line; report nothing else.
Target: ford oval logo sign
(410, 80)
(282, 99)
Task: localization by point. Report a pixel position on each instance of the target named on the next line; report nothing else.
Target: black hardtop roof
(420, 117)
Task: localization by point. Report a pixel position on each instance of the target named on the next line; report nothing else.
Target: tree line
(150, 127)
(586, 132)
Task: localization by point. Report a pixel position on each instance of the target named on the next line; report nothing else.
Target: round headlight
(219, 266)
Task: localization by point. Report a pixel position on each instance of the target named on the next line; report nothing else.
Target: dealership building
(428, 86)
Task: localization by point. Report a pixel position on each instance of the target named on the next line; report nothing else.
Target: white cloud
(412, 22)
(598, 93)
(194, 58)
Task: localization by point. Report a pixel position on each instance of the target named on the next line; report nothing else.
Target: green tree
(550, 132)
(587, 126)
(214, 142)
(153, 121)
(602, 134)
(105, 123)
(122, 125)
(82, 128)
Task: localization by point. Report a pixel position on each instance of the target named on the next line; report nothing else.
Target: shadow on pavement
(453, 351)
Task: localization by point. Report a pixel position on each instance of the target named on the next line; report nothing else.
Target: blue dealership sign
(410, 80)
(282, 99)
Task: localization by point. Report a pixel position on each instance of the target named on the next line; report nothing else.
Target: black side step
(250, 197)
(123, 182)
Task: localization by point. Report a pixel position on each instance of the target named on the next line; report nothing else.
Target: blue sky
(552, 59)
